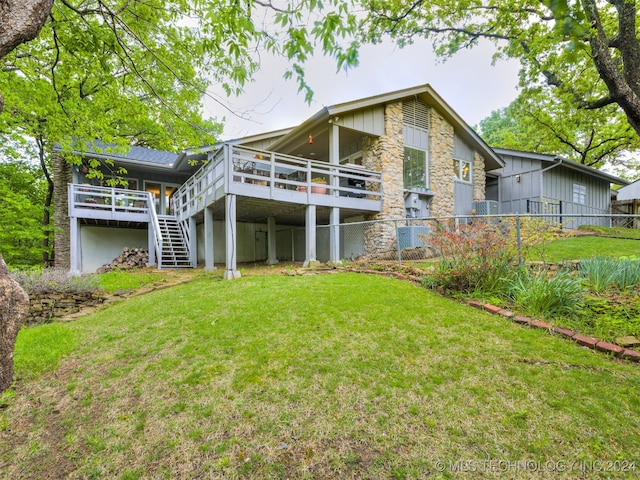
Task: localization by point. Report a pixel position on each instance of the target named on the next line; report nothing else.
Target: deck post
(271, 241)
(151, 234)
(208, 240)
(75, 248)
(230, 233)
(310, 236)
(334, 236)
(193, 242)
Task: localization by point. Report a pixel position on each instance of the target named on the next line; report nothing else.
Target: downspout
(559, 161)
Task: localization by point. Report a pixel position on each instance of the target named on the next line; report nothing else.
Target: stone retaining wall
(46, 306)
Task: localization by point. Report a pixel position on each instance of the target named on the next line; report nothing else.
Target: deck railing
(108, 203)
(271, 175)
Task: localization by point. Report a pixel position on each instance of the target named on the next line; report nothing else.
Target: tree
(132, 72)
(22, 193)
(536, 121)
(587, 50)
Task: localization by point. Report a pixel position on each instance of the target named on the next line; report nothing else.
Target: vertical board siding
(461, 151)
(463, 197)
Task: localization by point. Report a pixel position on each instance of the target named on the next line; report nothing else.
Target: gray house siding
(462, 191)
(544, 178)
(630, 192)
(513, 193)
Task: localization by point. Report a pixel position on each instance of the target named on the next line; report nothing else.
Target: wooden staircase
(175, 245)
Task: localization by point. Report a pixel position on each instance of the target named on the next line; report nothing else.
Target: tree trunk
(14, 306)
(21, 21)
(46, 219)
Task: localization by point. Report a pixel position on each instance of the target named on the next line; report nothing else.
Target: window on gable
(579, 194)
(462, 170)
(415, 171)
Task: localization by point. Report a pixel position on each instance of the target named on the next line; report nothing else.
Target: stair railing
(155, 224)
(184, 227)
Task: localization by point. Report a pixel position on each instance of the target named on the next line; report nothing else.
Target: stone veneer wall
(441, 184)
(479, 178)
(44, 307)
(62, 175)
(386, 154)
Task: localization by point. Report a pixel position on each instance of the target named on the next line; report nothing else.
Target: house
(629, 192)
(627, 202)
(394, 156)
(546, 184)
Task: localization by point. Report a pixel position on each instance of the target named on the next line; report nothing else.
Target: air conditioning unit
(412, 237)
(486, 207)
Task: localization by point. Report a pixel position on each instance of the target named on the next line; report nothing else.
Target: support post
(152, 245)
(310, 236)
(271, 241)
(75, 253)
(230, 233)
(208, 240)
(193, 242)
(334, 236)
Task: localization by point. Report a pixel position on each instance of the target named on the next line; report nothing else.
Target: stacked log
(128, 259)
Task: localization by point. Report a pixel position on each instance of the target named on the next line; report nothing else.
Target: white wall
(251, 242)
(100, 245)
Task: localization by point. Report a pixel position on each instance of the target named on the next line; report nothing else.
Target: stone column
(479, 178)
(62, 175)
(386, 155)
(441, 144)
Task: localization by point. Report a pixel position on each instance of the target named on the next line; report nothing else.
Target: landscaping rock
(627, 341)
(14, 305)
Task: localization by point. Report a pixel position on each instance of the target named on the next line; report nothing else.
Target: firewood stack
(128, 259)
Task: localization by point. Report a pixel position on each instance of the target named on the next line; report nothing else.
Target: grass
(128, 279)
(573, 248)
(328, 376)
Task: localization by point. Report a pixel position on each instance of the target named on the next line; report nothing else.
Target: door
(163, 195)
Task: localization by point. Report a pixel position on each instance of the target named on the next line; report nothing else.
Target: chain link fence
(410, 240)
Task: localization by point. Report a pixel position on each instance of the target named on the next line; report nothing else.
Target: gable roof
(551, 160)
(424, 92)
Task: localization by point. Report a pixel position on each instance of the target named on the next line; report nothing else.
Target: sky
(468, 82)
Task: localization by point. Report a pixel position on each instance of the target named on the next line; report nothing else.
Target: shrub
(603, 272)
(53, 280)
(475, 256)
(538, 294)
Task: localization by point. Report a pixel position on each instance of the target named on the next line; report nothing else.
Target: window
(579, 194)
(415, 169)
(462, 170)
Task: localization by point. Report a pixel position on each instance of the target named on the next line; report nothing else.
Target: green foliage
(607, 318)
(133, 72)
(22, 191)
(566, 68)
(539, 294)
(539, 121)
(602, 273)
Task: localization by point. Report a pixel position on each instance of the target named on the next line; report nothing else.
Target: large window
(462, 170)
(579, 194)
(415, 169)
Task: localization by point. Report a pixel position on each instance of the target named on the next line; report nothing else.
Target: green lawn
(576, 248)
(327, 376)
